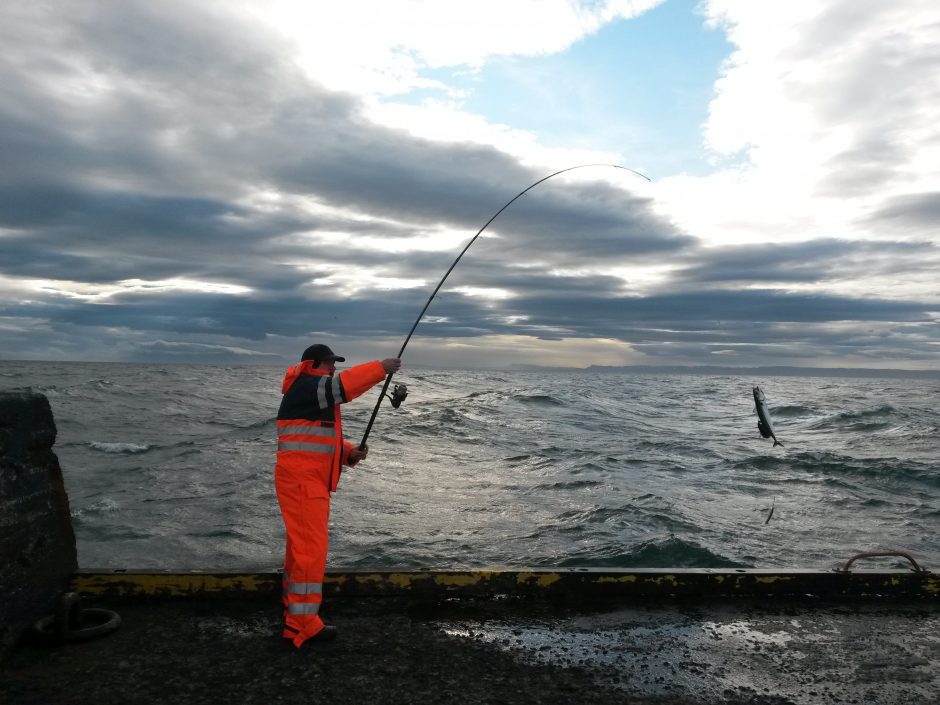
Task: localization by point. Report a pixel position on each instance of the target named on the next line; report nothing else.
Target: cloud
(390, 43)
(825, 113)
(255, 132)
(201, 351)
(919, 213)
(807, 263)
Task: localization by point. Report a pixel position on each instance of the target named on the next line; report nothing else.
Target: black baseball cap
(321, 353)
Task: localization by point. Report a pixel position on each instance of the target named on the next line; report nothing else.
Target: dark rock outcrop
(37, 544)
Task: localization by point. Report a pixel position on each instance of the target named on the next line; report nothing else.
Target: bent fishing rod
(400, 393)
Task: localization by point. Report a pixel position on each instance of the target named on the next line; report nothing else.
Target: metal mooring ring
(70, 623)
(877, 554)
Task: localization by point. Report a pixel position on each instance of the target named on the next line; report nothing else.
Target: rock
(37, 544)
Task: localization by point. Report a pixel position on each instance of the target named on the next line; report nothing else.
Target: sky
(228, 182)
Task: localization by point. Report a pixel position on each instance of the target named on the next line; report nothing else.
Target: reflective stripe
(303, 608)
(306, 447)
(305, 588)
(306, 431)
(338, 396)
(321, 392)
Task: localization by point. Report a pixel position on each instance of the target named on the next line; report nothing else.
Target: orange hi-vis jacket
(309, 425)
(310, 455)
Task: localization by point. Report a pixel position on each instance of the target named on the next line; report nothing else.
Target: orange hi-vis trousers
(311, 453)
(305, 507)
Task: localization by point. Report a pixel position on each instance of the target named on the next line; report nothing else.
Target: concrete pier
(511, 650)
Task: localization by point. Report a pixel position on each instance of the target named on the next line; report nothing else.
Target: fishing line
(399, 394)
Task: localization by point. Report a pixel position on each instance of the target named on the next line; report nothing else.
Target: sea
(170, 466)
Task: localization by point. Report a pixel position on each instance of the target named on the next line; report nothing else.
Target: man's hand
(355, 455)
(391, 364)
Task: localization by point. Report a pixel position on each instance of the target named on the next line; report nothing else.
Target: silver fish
(764, 425)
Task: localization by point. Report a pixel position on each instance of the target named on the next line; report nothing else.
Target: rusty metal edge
(569, 583)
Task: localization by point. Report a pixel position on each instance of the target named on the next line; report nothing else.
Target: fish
(763, 417)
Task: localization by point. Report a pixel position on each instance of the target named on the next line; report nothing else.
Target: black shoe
(328, 633)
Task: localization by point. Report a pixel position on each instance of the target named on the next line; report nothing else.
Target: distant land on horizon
(764, 371)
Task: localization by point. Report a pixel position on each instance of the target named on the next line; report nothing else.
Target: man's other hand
(355, 455)
(391, 364)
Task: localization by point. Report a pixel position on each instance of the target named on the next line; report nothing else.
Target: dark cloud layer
(806, 262)
(174, 142)
(920, 211)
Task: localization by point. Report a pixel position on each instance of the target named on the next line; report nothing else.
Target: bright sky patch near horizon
(228, 182)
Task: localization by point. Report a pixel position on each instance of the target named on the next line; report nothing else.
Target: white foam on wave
(120, 447)
(101, 506)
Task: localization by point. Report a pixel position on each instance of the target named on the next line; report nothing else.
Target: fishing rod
(400, 392)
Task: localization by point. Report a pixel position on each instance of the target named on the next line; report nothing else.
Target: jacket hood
(304, 368)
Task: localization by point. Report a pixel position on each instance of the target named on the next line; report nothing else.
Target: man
(310, 454)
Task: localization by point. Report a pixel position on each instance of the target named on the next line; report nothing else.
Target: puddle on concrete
(719, 654)
(653, 660)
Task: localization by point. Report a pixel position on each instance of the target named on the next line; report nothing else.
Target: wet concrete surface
(497, 651)
(795, 653)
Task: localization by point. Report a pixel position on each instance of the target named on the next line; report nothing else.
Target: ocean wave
(379, 552)
(102, 506)
(580, 516)
(430, 430)
(235, 426)
(870, 427)
(647, 496)
(833, 465)
(447, 415)
(671, 552)
(882, 410)
(101, 383)
(128, 448)
(538, 399)
(217, 533)
(791, 411)
(262, 423)
(258, 430)
(626, 515)
(576, 485)
(665, 446)
(877, 418)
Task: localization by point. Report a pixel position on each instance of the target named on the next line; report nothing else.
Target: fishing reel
(398, 395)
